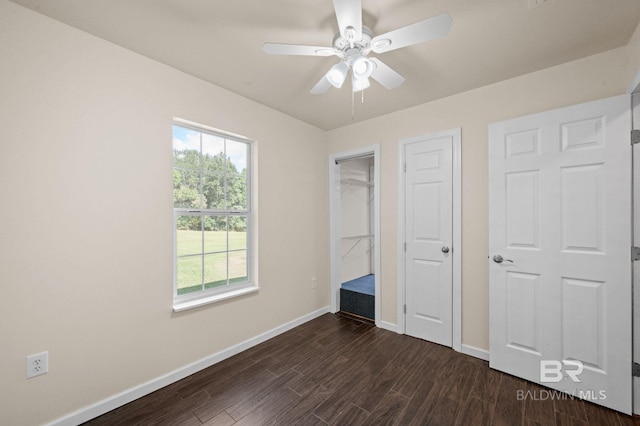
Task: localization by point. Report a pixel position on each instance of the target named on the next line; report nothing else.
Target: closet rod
(355, 157)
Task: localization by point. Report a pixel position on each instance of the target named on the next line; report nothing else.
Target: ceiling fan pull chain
(353, 110)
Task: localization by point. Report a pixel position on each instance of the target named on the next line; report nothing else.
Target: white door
(635, 120)
(428, 236)
(560, 218)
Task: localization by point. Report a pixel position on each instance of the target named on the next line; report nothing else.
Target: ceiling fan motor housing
(352, 47)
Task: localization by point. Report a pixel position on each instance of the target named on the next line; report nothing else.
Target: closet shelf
(357, 239)
(351, 181)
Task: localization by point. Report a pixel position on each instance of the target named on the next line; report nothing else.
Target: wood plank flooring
(339, 371)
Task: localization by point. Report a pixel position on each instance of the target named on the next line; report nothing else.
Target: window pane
(186, 148)
(237, 156)
(186, 159)
(237, 232)
(213, 168)
(237, 266)
(213, 191)
(188, 223)
(212, 146)
(237, 193)
(215, 234)
(188, 235)
(186, 189)
(213, 157)
(215, 270)
(189, 274)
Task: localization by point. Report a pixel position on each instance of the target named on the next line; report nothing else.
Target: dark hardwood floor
(337, 370)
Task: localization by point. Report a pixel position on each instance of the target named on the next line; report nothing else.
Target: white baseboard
(465, 349)
(388, 326)
(475, 352)
(134, 393)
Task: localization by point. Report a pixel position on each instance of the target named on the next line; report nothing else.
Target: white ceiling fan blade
(322, 86)
(386, 76)
(429, 29)
(297, 49)
(349, 14)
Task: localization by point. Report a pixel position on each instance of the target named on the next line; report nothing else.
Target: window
(212, 216)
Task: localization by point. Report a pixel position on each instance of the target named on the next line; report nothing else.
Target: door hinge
(635, 369)
(635, 137)
(635, 253)
(404, 309)
(405, 246)
(404, 167)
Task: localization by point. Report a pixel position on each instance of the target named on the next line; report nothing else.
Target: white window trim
(195, 300)
(183, 305)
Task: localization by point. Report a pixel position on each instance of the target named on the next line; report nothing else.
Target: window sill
(183, 305)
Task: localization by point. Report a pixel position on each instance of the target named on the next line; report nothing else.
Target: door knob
(499, 259)
(445, 249)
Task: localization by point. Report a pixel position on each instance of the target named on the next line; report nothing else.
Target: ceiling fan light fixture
(337, 74)
(362, 67)
(359, 84)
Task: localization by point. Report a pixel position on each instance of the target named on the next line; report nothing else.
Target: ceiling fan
(355, 41)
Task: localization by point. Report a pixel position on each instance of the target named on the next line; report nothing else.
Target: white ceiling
(221, 41)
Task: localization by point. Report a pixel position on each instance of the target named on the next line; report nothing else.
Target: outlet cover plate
(37, 364)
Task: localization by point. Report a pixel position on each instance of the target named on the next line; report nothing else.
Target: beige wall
(85, 195)
(634, 56)
(86, 218)
(599, 76)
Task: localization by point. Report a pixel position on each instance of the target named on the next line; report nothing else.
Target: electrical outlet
(314, 282)
(37, 364)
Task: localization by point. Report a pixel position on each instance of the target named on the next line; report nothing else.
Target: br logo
(551, 371)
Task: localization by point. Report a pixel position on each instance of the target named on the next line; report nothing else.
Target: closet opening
(355, 234)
